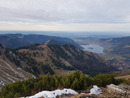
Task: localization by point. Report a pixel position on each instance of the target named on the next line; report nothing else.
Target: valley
(116, 50)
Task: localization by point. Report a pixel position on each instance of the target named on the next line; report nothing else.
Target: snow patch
(95, 90)
(2, 83)
(52, 94)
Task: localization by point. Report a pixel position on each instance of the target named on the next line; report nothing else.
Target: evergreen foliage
(76, 80)
(104, 79)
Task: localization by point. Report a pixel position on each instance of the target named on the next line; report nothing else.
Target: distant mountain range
(18, 40)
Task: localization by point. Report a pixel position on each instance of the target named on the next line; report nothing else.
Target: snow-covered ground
(2, 83)
(95, 90)
(52, 94)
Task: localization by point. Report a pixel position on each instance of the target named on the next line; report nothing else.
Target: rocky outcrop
(121, 90)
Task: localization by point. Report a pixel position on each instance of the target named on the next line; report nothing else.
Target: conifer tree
(75, 84)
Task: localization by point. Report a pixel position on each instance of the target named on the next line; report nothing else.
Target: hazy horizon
(71, 34)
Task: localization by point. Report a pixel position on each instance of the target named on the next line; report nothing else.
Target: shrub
(76, 80)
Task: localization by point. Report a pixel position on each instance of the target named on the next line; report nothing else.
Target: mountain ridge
(66, 57)
(19, 40)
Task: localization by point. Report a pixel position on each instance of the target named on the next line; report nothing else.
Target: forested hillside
(60, 59)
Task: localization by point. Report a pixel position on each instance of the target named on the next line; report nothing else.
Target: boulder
(121, 90)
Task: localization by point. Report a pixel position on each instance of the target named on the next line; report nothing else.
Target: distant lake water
(93, 48)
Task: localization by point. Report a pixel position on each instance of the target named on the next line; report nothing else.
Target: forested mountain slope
(43, 58)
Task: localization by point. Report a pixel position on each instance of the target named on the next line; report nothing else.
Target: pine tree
(75, 84)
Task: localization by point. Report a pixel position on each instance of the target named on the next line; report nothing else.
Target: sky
(65, 15)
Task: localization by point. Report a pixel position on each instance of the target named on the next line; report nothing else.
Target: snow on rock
(2, 83)
(95, 90)
(52, 94)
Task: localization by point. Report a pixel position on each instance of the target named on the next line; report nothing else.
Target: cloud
(65, 11)
(42, 12)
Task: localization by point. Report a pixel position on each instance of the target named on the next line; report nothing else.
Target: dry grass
(93, 96)
(82, 96)
(126, 77)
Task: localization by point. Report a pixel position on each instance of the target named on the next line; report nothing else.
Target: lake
(93, 48)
